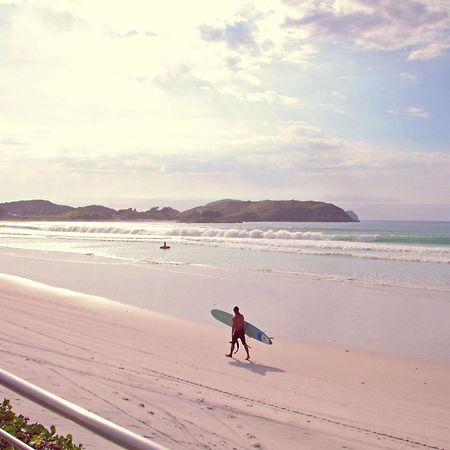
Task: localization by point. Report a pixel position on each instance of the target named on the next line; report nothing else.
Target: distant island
(222, 211)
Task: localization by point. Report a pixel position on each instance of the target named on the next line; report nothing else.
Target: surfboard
(165, 248)
(250, 329)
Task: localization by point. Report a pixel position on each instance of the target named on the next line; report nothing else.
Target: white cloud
(298, 145)
(211, 96)
(294, 128)
(332, 107)
(414, 111)
(337, 94)
(303, 56)
(269, 97)
(384, 25)
(430, 51)
(238, 36)
(12, 141)
(334, 94)
(417, 112)
(407, 76)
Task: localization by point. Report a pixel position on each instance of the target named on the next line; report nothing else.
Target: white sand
(400, 321)
(168, 379)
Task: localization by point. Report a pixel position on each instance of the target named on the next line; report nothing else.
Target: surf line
(295, 411)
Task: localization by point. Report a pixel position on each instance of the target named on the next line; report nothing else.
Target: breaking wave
(253, 233)
(267, 237)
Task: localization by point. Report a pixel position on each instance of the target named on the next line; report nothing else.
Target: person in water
(238, 332)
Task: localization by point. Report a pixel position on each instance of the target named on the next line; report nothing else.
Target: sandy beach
(161, 160)
(167, 378)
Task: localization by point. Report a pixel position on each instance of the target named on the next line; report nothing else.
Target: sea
(391, 253)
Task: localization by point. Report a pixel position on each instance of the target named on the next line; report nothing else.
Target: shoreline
(305, 276)
(168, 379)
(391, 320)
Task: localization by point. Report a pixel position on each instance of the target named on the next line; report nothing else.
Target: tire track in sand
(299, 412)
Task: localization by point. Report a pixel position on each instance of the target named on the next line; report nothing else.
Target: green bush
(35, 435)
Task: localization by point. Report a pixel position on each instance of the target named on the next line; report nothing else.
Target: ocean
(392, 253)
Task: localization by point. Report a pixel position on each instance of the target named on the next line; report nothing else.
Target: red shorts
(238, 335)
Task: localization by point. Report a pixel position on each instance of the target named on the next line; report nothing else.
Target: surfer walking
(238, 332)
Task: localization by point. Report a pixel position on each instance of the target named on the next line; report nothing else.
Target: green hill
(265, 211)
(33, 208)
(222, 211)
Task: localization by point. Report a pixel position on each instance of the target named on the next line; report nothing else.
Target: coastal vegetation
(32, 434)
(266, 211)
(222, 211)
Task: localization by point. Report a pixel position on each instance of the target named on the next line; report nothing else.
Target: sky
(140, 104)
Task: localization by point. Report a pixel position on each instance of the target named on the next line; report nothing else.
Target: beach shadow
(260, 369)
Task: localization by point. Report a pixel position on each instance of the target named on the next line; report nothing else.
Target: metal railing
(108, 430)
(14, 441)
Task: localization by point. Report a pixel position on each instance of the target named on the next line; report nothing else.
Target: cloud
(331, 107)
(430, 51)
(407, 76)
(414, 111)
(269, 97)
(301, 56)
(418, 27)
(125, 162)
(124, 35)
(180, 80)
(417, 112)
(335, 94)
(60, 21)
(296, 128)
(13, 142)
(219, 96)
(300, 146)
(293, 147)
(237, 36)
(252, 41)
(131, 34)
(6, 11)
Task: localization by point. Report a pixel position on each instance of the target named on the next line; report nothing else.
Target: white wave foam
(301, 242)
(267, 234)
(96, 229)
(210, 232)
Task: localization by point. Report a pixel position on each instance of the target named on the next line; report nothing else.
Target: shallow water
(401, 253)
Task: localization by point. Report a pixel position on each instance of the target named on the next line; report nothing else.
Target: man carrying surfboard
(238, 332)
